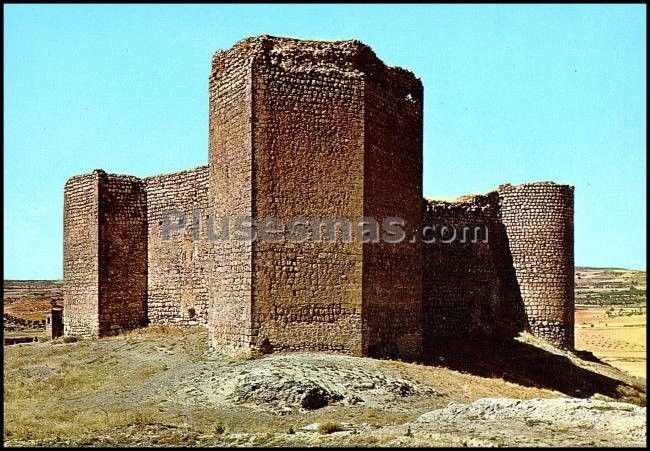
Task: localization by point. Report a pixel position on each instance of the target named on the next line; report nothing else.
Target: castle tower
(104, 254)
(310, 129)
(538, 219)
(309, 139)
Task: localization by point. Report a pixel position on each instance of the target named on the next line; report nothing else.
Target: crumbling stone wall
(122, 253)
(230, 195)
(308, 161)
(54, 323)
(469, 284)
(270, 296)
(177, 291)
(517, 277)
(538, 219)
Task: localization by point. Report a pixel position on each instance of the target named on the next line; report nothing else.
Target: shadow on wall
(512, 313)
(470, 286)
(528, 365)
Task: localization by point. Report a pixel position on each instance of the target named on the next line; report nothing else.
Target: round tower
(538, 219)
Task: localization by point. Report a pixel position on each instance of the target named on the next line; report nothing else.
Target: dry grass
(329, 427)
(102, 388)
(45, 382)
(51, 388)
(33, 407)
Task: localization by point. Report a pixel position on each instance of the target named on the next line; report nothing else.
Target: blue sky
(512, 94)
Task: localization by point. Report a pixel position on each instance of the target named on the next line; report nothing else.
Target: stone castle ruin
(320, 130)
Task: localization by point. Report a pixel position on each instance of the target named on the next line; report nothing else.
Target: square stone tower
(104, 254)
(314, 130)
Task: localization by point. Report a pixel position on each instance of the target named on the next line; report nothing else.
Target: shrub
(328, 427)
(219, 428)
(141, 419)
(70, 339)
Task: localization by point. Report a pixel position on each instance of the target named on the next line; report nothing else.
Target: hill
(163, 386)
(610, 286)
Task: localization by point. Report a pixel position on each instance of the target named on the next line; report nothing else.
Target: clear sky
(512, 94)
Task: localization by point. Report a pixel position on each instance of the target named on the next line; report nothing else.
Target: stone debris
(613, 417)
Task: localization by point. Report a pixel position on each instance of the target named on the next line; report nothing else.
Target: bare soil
(162, 386)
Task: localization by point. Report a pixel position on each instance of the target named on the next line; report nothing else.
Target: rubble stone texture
(317, 130)
(177, 292)
(105, 254)
(313, 130)
(470, 288)
(80, 255)
(538, 218)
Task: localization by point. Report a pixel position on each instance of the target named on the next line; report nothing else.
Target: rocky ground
(162, 386)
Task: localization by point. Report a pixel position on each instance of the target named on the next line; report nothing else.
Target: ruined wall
(122, 253)
(308, 162)
(470, 289)
(230, 195)
(54, 323)
(177, 291)
(538, 219)
(80, 255)
(392, 272)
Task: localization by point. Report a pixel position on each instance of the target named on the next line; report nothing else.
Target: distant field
(26, 303)
(610, 286)
(611, 316)
(14, 290)
(617, 336)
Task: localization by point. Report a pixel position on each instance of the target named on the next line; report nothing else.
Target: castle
(319, 130)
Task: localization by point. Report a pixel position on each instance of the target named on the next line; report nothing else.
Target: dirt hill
(162, 386)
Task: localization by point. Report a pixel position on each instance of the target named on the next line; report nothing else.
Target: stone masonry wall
(105, 261)
(538, 218)
(230, 195)
(392, 272)
(308, 162)
(177, 291)
(314, 130)
(470, 289)
(80, 255)
(122, 253)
